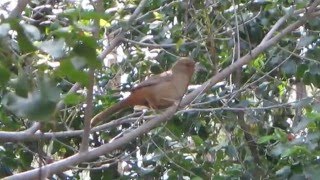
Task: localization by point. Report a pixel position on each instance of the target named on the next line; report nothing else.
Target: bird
(157, 92)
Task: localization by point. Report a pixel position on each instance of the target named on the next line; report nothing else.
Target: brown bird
(157, 92)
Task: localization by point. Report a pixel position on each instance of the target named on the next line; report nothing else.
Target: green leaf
(307, 78)
(295, 151)
(305, 41)
(259, 62)
(174, 127)
(73, 99)
(25, 44)
(4, 29)
(4, 75)
(265, 139)
(179, 43)
(302, 68)
(67, 69)
(22, 84)
(231, 151)
(55, 48)
(197, 140)
(290, 67)
(39, 105)
(86, 48)
(158, 16)
(26, 158)
(314, 69)
(32, 32)
(279, 134)
(316, 80)
(155, 69)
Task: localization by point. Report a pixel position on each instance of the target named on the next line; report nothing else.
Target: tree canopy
(251, 111)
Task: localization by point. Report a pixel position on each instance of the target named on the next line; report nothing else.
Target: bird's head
(185, 65)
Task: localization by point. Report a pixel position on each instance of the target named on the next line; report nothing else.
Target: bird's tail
(106, 114)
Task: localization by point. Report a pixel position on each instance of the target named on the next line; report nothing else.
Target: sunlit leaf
(4, 29)
(265, 139)
(158, 16)
(55, 48)
(104, 23)
(179, 43)
(73, 99)
(32, 32)
(155, 24)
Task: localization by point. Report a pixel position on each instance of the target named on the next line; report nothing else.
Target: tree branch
(244, 60)
(78, 158)
(88, 113)
(98, 6)
(65, 164)
(21, 5)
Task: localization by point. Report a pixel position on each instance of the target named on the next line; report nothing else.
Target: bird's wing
(156, 79)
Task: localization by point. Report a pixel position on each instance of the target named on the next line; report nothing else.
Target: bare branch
(25, 136)
(88, 113)
(135, 14)
(98, 5)
(65, 164)
(34, 128)
(275, 27)
(73, 89)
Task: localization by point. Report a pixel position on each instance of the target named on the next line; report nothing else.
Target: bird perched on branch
(157, 92)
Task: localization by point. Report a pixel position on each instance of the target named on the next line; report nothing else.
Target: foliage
(262, 121)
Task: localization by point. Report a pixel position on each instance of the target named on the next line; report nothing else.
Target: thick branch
(78, 158)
